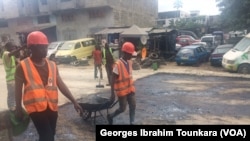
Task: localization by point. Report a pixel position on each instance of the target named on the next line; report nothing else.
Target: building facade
(164, 18)
(72, 19)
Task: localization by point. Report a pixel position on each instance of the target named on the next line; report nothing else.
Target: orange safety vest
(36, 96)
(124, 84)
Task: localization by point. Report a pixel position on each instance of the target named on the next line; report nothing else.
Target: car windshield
(52, 46)
(221, 50)
(67, 46)
(186, 51)
(242, 45)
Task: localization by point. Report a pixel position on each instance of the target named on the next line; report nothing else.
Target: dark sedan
(216, 56)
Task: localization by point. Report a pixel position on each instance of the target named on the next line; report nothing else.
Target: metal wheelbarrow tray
(94, 107)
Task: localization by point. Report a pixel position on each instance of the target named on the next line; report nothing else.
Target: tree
(178, 4)
(235, 14)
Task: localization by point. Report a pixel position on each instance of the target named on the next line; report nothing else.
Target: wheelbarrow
(98, 106)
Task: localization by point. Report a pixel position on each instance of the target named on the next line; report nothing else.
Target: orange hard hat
(129, 48)
(37, 38)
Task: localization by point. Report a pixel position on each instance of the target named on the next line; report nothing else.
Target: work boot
(110, 119)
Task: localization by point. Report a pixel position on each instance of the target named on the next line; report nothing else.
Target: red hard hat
(129, 48)
(37, 38)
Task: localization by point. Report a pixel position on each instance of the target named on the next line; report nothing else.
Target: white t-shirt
(115, 69)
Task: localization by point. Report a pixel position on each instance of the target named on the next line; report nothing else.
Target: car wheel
(244, 69)
(178, 63)
(74, 61)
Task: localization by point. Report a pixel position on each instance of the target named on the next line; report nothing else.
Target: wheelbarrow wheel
(86, 114)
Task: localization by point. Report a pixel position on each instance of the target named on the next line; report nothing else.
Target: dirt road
(171, 95)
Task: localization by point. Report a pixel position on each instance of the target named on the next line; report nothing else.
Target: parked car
(211, 41)
(185, 40)
(177, 47)
(187, 32)
(216, 56)
(75, 50)
(192, 55)
(204, 44)
(52, 49)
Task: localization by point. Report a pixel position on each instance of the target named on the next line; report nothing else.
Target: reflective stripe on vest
(124, 83)
(36, 96)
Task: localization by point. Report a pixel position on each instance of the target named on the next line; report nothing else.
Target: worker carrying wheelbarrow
(41, 81)
(122, 83)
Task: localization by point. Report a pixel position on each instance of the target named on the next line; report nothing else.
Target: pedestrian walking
(97, 55)
(122, 83)
(108, 61)
(41, 80)
(10, 61)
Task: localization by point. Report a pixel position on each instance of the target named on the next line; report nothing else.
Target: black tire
(75, 62)
(178, 63)
(244, 69)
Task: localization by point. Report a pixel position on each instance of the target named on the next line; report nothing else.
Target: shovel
(99, 85)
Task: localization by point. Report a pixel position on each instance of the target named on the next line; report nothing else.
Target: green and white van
(238, 58)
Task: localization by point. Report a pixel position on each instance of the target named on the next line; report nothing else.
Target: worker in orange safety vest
(123, 84)
(41, 81)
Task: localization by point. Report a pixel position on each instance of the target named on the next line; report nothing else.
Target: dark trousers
(45, 123)
(109, 70)
(130, 99)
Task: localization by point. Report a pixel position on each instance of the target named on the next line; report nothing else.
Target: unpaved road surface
(171, 95)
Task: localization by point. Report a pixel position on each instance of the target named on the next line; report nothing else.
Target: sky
(206, 7)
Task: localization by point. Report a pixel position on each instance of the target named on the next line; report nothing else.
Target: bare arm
(18, 92)
(113, 78)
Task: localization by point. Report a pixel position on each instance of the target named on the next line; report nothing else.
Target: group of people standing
(33, 83)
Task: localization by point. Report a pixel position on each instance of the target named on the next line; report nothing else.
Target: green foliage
(235, 14)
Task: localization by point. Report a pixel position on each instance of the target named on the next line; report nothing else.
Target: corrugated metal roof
(133, 31)
(111, 31)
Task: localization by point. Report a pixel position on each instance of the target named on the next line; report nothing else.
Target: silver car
(52, 49)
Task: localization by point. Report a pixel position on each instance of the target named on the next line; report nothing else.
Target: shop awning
(111, 31)
(34, 28)
(134, 31)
